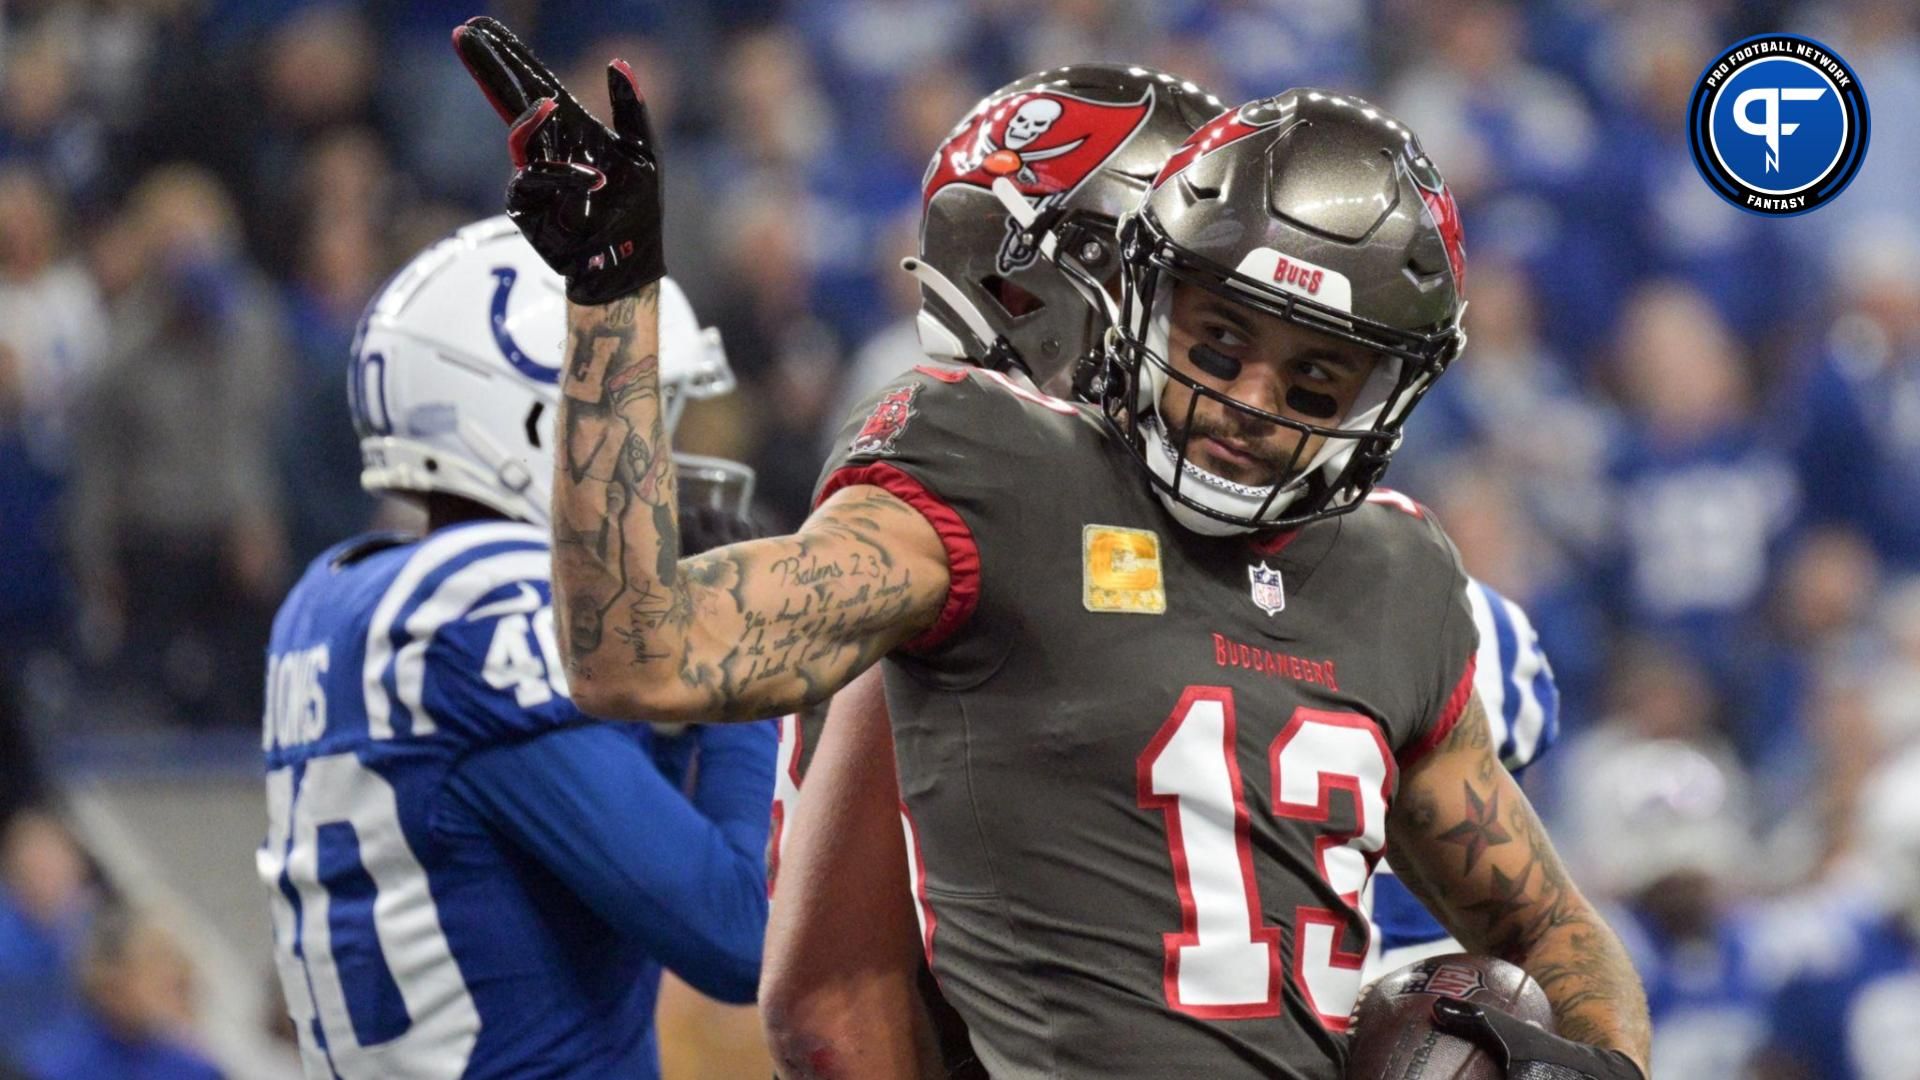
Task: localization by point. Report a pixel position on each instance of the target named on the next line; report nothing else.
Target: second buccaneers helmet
(1081, 144)
(1318, 209)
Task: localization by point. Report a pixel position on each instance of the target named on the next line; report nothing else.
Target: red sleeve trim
(1449, 717)
(963, 555)
(946, 374)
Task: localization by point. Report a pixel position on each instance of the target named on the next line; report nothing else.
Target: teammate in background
(1077, 774)
(871, 1009)
(468, 876)
(1514, 682)
(1851, 1016)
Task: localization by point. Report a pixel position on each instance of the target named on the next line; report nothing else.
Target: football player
(1144, 802)
(468, 876)
(991, 300)
(820, 997)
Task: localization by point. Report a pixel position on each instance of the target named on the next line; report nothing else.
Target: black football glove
(587, 197)
(1526, 1051)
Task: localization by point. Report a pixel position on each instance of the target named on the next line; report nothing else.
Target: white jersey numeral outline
(1224, 963)
(443, 1023)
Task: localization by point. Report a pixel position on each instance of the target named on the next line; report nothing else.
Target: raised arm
(743, 631)
(751, 630)
(1467, 842)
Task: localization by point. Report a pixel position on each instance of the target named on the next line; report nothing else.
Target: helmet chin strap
(995, 350)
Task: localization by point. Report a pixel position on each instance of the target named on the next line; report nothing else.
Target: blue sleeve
(590, 805)
(734, 786)
(1399, 918)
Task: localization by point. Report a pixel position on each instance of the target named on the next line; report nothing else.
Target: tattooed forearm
(1467, 842)
(612, 472)
(744, 631)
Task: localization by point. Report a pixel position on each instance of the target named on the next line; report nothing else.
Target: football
(1393, 1031)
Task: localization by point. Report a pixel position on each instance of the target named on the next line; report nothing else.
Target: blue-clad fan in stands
(1850, 1016)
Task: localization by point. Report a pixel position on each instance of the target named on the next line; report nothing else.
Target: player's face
(1269, 364)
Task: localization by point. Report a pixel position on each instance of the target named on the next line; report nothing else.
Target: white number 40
(511, 660)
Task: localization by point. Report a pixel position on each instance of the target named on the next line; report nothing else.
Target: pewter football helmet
(1321, 210)
(1080, 143)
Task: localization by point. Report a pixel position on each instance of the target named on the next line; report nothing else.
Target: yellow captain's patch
(1122, 570)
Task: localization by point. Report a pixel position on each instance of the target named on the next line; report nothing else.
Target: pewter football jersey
(1146, 772)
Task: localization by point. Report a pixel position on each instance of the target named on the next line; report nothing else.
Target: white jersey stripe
(431, 555)
(1489, 674)
(1530, 719)
(455, 594)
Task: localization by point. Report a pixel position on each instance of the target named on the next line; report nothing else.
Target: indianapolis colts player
(1515, 683)
(468, 877)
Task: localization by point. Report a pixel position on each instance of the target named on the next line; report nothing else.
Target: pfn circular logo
(1778, 124)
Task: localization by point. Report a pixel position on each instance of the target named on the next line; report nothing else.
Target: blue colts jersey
(468, 877)
(1515, 684)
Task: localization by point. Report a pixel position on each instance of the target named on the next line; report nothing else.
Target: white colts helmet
(456, 367)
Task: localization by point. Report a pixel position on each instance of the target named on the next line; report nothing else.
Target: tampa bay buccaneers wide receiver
(1164, 680)
(844, 990)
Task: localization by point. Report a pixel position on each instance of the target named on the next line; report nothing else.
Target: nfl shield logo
(1268, 594)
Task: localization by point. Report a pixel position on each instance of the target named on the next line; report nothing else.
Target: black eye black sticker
(1214, 363)
(1309, 403)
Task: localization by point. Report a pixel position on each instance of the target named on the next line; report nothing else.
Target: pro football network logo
(1778, 124)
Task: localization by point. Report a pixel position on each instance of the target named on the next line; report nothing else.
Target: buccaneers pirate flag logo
(886, 422)
(1047, 143)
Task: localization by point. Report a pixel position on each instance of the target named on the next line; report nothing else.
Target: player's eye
(1225, 335)
(1314, 370)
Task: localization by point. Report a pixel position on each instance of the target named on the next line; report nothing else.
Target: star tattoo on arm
(1480, 830)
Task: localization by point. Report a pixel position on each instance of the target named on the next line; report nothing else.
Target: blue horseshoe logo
(504, 277)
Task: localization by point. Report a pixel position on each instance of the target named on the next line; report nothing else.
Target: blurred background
(1685, 438)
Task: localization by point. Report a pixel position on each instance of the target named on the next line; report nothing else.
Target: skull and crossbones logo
(1034, 118)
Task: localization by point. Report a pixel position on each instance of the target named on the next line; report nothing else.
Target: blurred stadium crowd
(1685, 438)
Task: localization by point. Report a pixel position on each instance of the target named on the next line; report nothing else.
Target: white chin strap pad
(1199, 485)
(935, 339)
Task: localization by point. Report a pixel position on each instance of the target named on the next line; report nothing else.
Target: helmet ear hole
(1013, 299)
(533, 423)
